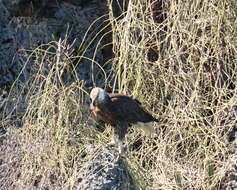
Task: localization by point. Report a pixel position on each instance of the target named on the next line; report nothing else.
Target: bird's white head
(98, 96)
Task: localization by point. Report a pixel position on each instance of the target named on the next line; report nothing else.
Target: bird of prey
(121, 112)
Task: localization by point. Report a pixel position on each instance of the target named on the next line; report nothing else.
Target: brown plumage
(120, 111)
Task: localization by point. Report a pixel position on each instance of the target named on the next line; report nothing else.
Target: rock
(49, 21)
(104, 170)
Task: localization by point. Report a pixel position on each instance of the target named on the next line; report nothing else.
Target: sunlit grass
(190, 88)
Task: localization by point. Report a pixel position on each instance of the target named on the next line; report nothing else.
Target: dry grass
(47, 150)
(191, 88)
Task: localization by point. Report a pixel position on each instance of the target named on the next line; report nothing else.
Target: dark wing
(111, 95)
(130, 110)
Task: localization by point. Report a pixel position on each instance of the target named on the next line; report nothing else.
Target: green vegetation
(190, 87)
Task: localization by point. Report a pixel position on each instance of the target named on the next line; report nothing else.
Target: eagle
(120, 111)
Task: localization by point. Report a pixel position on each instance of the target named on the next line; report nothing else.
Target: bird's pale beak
(93, 102)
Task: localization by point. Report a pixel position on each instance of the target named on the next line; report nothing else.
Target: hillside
(178, 58)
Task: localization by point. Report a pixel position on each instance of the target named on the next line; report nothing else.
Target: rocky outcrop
(25, 25)
(104, 170)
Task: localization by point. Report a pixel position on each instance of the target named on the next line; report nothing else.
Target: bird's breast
(103, 114)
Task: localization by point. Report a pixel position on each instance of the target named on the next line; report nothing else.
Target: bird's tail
(148, 128)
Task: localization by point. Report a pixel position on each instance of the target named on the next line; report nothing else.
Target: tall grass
(191, 87)
(48, 149)
(189, 83)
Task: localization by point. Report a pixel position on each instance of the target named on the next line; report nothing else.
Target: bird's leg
(120, 147)
(121, 130)
(113, 140)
